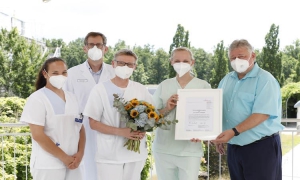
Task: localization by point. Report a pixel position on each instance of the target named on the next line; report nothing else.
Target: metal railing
(12, 145)
(9, 143)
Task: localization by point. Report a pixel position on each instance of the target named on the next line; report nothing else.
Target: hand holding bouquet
(139, 116)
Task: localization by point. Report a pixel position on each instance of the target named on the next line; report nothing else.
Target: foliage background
(21, 58)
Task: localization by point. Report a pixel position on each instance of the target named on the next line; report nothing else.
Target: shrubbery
(16, 149)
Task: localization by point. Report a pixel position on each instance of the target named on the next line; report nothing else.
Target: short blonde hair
(126, 52)
(182, 49)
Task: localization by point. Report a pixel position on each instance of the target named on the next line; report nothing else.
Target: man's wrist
(236, 133)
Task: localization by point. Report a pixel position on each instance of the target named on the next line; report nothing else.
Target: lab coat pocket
(106, 146)
(78, 123)
(67, 133)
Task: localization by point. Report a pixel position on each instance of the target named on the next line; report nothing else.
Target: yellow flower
(134, 102)
(152, 107)
(160, 116)
(148, 110)
(128, 106)
(134, 113)
(145, 103)
(152, 114)
(156, 117)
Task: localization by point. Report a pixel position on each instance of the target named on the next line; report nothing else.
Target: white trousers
(56, 174)
(170, 167)
(126, 171)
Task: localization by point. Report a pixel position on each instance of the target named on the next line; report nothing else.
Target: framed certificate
(199, 114)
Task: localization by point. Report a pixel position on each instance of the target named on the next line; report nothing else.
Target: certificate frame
(212, 111)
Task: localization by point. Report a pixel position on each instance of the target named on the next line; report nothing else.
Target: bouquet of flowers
(139, 116)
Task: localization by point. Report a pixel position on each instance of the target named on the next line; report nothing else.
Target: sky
(141, 22)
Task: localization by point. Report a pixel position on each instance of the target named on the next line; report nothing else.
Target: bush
(148, 164)
(16, 149)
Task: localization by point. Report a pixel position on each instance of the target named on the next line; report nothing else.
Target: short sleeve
(268, 99)
(94, 105)
(158, 103)
(34, 111)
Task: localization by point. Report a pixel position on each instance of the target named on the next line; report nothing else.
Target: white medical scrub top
(62, 129)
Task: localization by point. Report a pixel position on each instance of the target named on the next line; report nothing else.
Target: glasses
(99, 45)
(121, 63)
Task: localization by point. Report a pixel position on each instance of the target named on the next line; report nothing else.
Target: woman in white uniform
(114, 161)
(55, 124)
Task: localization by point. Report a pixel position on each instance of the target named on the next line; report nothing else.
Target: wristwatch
(236, 133)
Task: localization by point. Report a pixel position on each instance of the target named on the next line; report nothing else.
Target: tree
(73, 53)
(180, 39)
(271, 56)
(139, 74)
(159, 67)
(297, 71)
(145, 55)
(20, 60)
(220, 62)
(109, 56)
(203, 63)
(289, 65)
(293, 50)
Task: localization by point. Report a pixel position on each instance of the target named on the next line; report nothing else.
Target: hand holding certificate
(199, 114)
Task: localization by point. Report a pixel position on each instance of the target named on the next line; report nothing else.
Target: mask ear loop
(46, 72)
(249, 60)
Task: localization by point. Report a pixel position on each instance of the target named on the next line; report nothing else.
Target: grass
(287, 142)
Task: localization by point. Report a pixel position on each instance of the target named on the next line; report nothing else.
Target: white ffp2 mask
(123, 72)
(240, 65)
(181, 68)
(95, 54)
(57, 81)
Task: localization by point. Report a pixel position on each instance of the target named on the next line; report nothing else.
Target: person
(176, 159)
(251, 117)
(81, 79)
(58, 136)
(114, 161)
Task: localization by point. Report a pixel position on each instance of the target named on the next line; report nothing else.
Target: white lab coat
(62, 129)
(110, 148)
(80, 81)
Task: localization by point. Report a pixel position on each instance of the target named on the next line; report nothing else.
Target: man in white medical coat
(114, 161)
(81, 79)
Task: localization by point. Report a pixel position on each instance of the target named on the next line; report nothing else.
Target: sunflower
(128, 106)
(160, 116)
(134, 113)
(134, 102)
(152, 115)
(151, 107)
(145, 103)
(156, 117)
(148, 110)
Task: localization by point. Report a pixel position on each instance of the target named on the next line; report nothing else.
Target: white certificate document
(199, 114)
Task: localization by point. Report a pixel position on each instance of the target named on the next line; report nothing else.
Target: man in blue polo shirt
(251, 117)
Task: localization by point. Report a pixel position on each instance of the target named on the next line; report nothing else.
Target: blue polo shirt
(257, 92)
